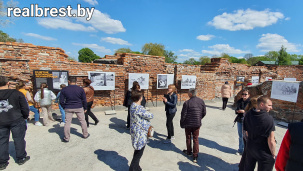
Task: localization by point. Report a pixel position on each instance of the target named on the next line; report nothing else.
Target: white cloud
(103, 22)
(205, 37)
(186, 50)
(95, 47)
(63, 23)
(98, 21)
(92, 2)
(113, 40)
(185, 54)
(273, 42)
(39, 36)
(245, 19)
(218, 49)
(287, 18)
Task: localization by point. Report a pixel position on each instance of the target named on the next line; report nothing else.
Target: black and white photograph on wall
(240, 80)
(188, 81)
(255, 80)
(163, 80)
(102, 80)
(142, 79)
(59, 77)
(287, 91)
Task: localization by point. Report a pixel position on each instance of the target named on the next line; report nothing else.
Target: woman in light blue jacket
(139, 124)
(45, 97)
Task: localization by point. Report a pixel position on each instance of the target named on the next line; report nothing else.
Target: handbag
(150, 132)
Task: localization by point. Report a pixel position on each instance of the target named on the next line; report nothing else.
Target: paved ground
(109, 146)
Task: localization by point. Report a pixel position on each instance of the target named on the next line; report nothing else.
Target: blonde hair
(172, 86)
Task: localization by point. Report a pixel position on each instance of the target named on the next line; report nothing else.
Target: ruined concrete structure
(18, 60)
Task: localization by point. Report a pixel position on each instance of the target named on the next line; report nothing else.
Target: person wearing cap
(226, 94)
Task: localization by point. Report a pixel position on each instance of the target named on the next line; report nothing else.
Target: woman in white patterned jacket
(139, 124)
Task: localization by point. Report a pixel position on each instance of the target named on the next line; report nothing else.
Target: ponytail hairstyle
(20, 85)
(42, 86)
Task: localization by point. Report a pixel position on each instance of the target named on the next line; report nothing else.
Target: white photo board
(163, 80)
(290, 79)
(102, 80)
(287, 91)
(142, 79)
(188, 81)
(255, 80)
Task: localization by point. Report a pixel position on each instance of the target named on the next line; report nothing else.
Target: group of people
(15, 105)
(138, 120)
(257, 142)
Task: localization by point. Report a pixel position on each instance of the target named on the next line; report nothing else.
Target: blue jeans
(62, 113)
(36, 111)
(240, 133)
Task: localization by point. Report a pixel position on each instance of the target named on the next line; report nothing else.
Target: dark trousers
(18, 130)
(134, 166)
(195, 133)
(242, 161)
(128, 116)
(225, 100)
(90, 113)
(265, 160)
(170, 125)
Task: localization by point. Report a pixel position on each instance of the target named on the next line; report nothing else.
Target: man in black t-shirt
(261, 146)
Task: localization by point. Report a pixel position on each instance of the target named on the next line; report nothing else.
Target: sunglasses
(245, 94)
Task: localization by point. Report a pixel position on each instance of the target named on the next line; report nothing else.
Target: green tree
(191, 61)
(6, 38)
(153, 49)
(283, 58)
(170, 57)
(272, 55)
(86, 55)
(253, 60)
(204, 60)
(123, 50)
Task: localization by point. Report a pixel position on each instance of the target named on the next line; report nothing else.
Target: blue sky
(190, 28)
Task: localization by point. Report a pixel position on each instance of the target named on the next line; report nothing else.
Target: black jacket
(128, 100)
(295, 161)
(170, 105)
(241, 105)
(13, 106)
(192, 113)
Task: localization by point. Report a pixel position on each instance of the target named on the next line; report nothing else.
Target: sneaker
(22, 161)
(61, 124)
(195, 159)
(239, 153)
(188, 154)
(172, 137)
(167, 141)
(38, 124)
(3, 166)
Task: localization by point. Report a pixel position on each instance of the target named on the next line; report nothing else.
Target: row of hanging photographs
(106, 80)
(284, 90)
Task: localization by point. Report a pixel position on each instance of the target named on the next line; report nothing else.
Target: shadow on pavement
(215, 145)
(118, 125)
(60, 130)
(112, 159)
(207, 162)
(157, 142)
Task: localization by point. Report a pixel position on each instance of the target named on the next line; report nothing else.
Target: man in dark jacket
(13, 112)
(73, 100)
(259, 127)
(192, 113)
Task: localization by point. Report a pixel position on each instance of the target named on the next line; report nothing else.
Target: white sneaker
(38, 124)
(167, 141)
(172, 137)
(61, 123)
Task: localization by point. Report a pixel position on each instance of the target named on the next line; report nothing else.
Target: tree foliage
(283, 58)
(123, 50)
(191, 61)
(170, 57)
(86, 55)
(204, 60)
(153, 49)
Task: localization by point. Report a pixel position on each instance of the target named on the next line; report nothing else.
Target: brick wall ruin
(18, 60)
